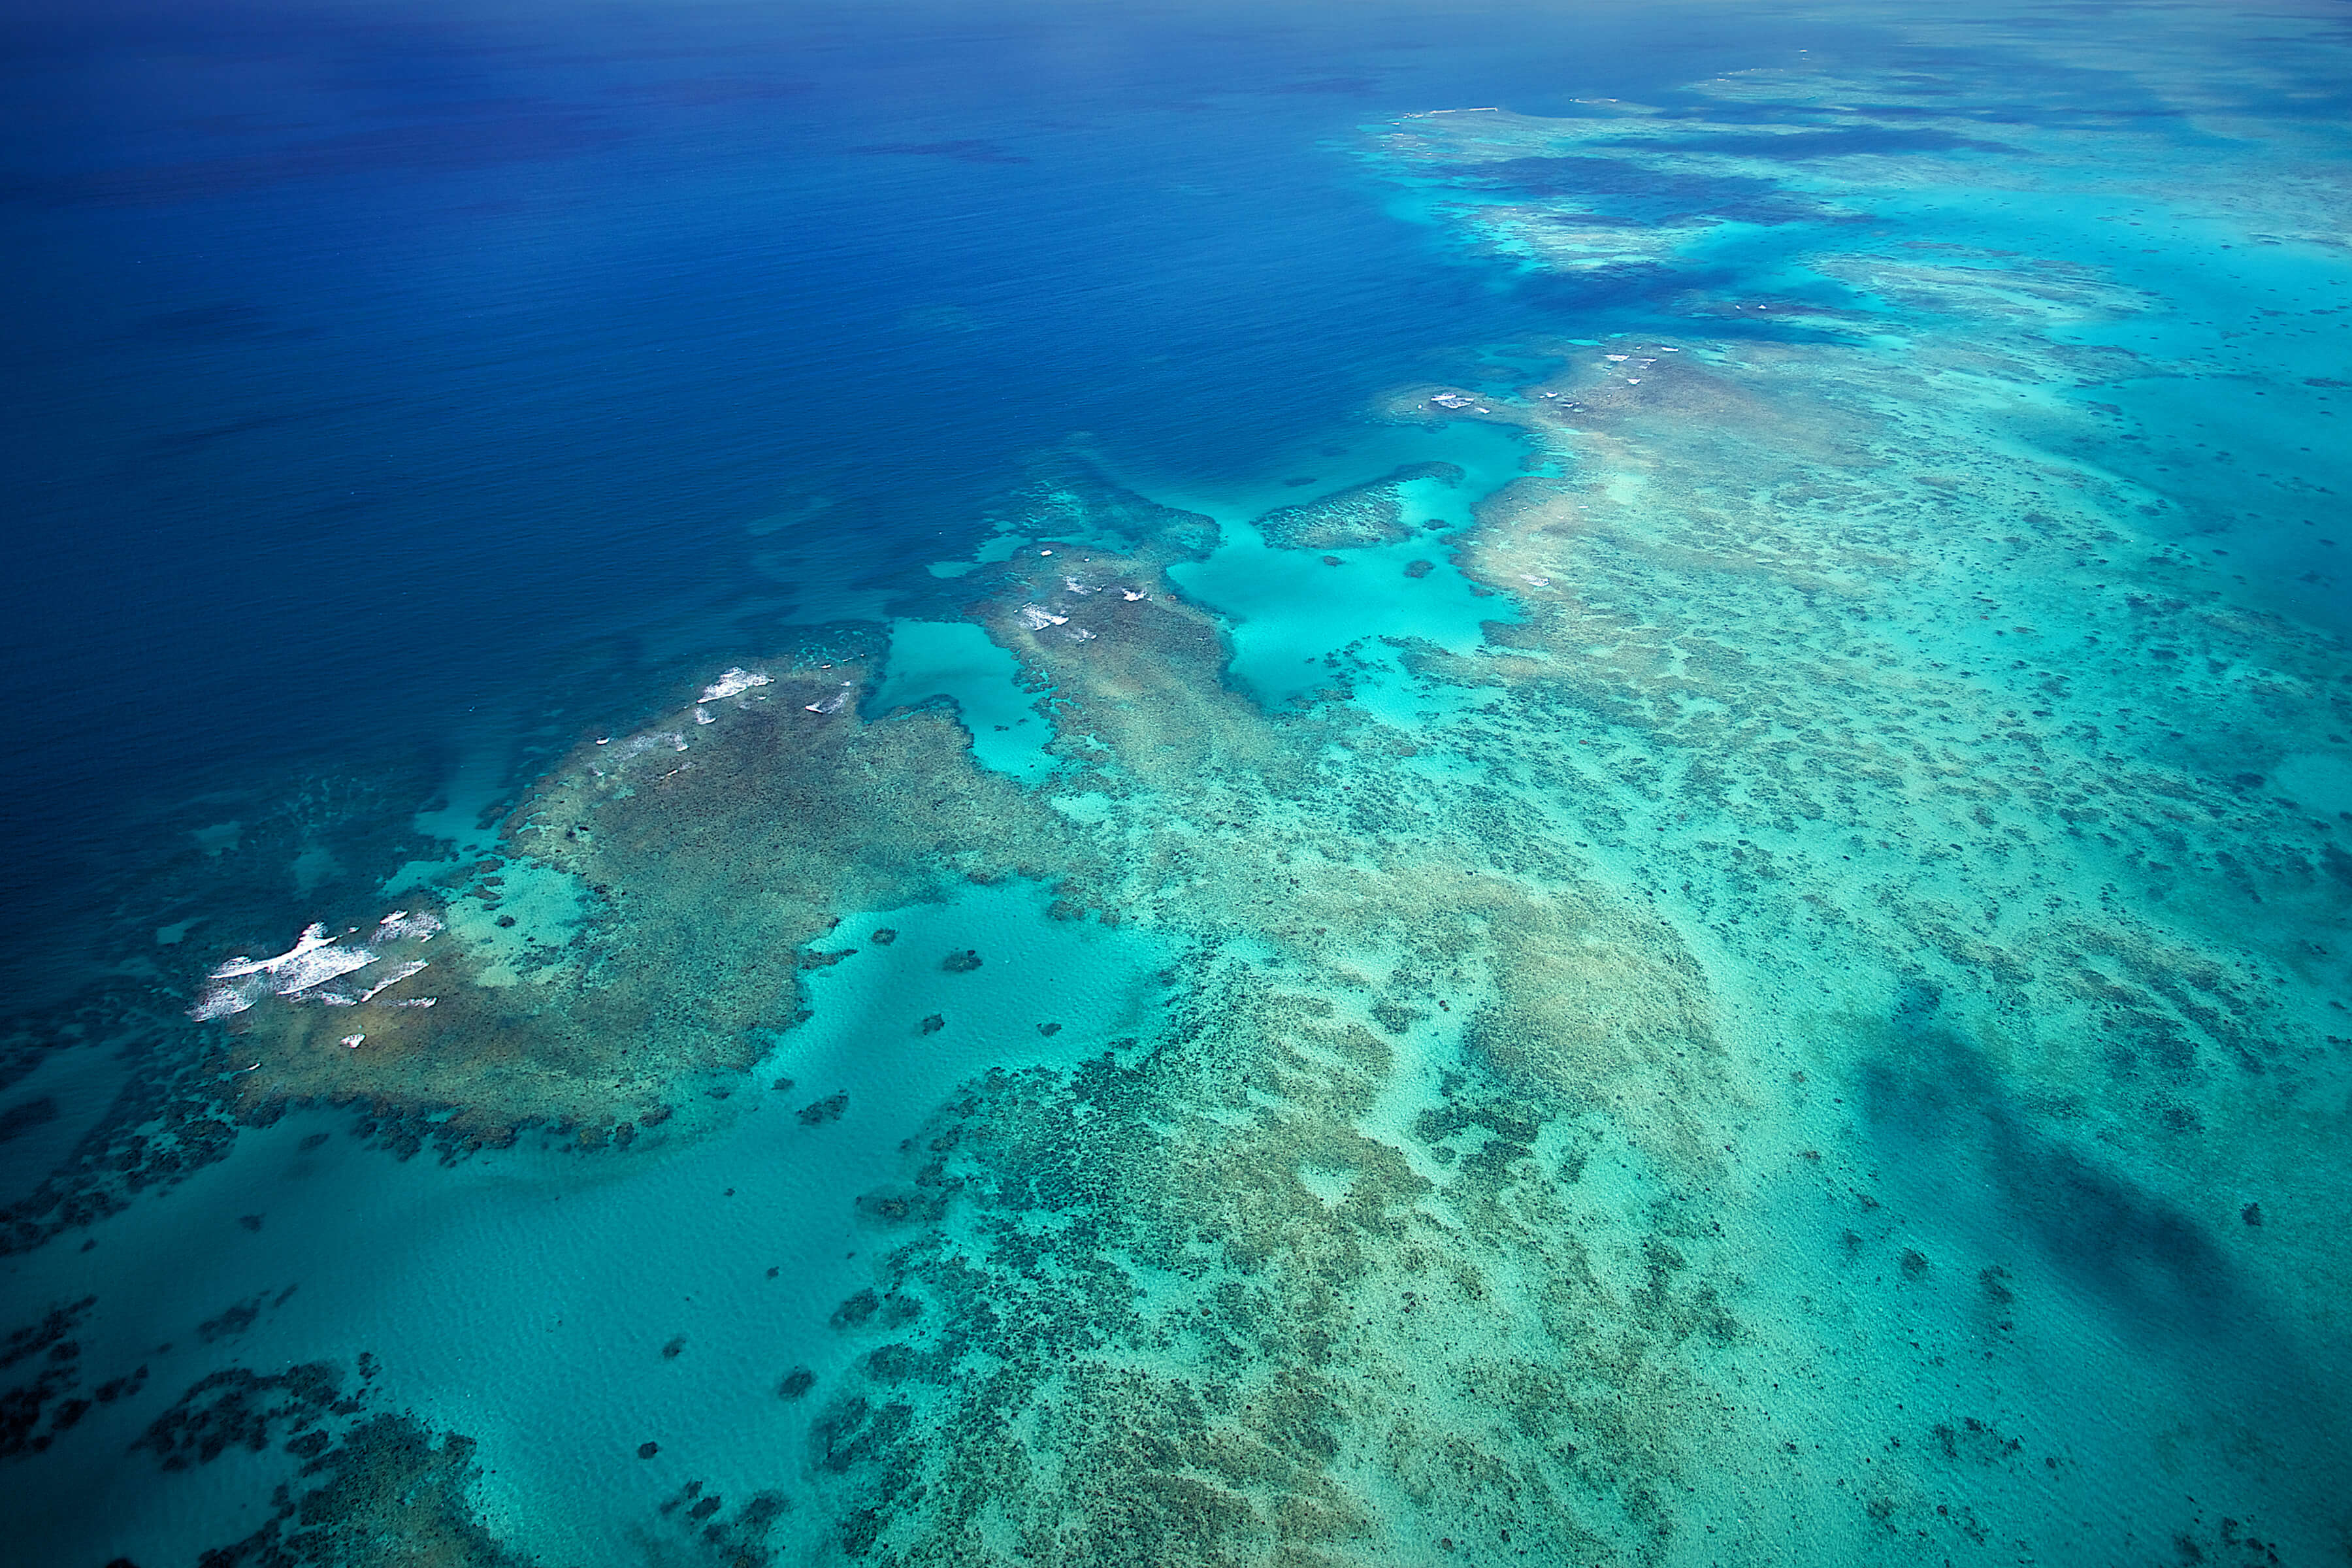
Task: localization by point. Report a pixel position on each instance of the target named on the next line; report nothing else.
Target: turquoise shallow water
(1704, 923)
(955, 661)
(1289, 615)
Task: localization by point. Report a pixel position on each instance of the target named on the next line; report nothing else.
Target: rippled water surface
(1287, 784)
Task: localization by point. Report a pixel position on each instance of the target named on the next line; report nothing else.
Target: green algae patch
(674, 878)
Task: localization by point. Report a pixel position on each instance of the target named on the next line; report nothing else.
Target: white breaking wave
(311, 961)
(1037, 618)
(314, 937)
(401, 926)
(398, 974)
(299, 972)
(637, 745)
(733, 683)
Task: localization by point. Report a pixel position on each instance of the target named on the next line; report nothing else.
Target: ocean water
(1303, 784)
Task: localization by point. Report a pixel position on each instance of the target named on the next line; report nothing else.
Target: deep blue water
(370, 365)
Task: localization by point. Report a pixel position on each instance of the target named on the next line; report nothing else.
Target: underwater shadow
(2152, 1266)
(1934, 1103)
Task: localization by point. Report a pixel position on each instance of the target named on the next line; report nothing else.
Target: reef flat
(646, 924)
(1744, 962)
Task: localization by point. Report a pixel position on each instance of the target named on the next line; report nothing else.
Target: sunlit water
(1275, 785)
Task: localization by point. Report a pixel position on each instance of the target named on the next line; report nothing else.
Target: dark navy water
(372, 363)
(376, 366)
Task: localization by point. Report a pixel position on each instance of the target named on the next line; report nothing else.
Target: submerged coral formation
(1369, 513)
(383, 1489)
(673, 879)
(392, 1492)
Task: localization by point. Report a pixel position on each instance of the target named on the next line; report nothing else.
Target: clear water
(1272, 785)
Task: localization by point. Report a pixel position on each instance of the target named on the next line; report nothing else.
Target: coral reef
(1371, 513)
(55, 1369)
(392, 1492)
(689, 864)
(237, 1408)
(173, 1115)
